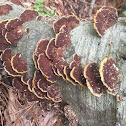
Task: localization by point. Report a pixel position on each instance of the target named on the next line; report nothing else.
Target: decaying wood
(90, 110)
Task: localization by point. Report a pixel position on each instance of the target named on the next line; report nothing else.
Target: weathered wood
(90, 110)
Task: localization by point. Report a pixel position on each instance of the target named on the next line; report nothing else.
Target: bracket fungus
(13, 31)
(94, 83)
(54, 94)
(28, 15)
(19, 65)
(30, 84)
(5, 9)
(105, 18)
(110, 75)
(71, 22)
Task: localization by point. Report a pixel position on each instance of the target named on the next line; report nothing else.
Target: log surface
(90, 110)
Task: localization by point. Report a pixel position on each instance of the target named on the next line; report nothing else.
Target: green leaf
(47, 12)
(42, 13)
(41, 9)
(36, 6)
(41, 0)
(124, 12)
(52, 11)
(42, 5)
(37, 1)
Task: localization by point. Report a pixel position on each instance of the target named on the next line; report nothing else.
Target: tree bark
(90, 110)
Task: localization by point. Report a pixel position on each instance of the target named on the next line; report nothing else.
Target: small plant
(39, 7)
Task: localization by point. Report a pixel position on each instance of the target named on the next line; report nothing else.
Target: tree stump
(90, 110)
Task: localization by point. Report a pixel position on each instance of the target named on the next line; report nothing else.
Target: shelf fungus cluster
(49, 59)
(105, 18)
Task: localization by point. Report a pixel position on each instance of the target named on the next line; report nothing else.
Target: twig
(91, 8)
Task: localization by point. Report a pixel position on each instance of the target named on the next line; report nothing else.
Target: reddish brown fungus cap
(14, 36)
(2, 26)
(52, 52)
(30, 85)
(77, 74)
(70, 22)
(58, 24)
(39, 93)
(6, 55)
(5, 9)
(13, 24)
(41, 46)
(3, 44)
(43, 84)
(16, 2)
(19, 65)
(45, 66)
(9, 70)
(54, 94)
(28, 15)
(37, 76)
(110, 75)
(67, 71)
(24, 79)
(62, 39)
(94, 83)
(105, 18)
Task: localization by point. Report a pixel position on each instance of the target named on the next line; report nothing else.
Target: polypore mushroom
(63, 38)
(110, 75)
(93, 80)
(14, 31)
(54, 94)
(45, 66)
(28, 15)
(18, 64)
(16, 2)
(59, 64)
(52, 52)
(30, 84)
(24, 79)
(3, 42)
(39, 93)
(67, 71)
(43, 84)
(105, 18)
(6, 55)
(5, 9)
(71, 22)
(8, 68)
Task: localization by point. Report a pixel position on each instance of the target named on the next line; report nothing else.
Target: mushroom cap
(45, 66)
(70, 22)
(5, 9)
(13, 24)
(76, 57)
(62, 39)
(35, 58)
(30, 84)
(105, 18)
(14, 36)
(37, 76)
(28, 15)
(93, 79)
(53, 52)
(58, 24)
(41, 46)
(8, 68)
(39, 93)
(3, 44)
(43, 84)
(110, 75)
(54, 94)
(6, 55)
(59, 64)
(16, 2)
(24, 79)
(2, 26)
(77, 74)
(67, 71)
(18, 64)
